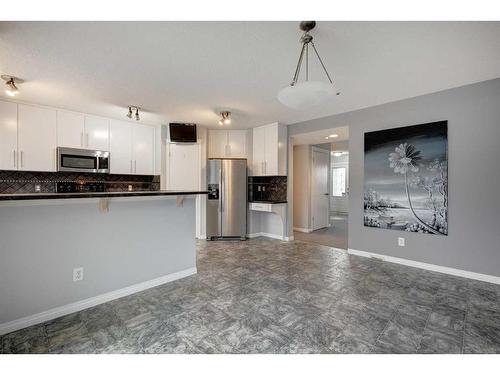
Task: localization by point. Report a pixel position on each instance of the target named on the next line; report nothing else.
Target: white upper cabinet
(183, 167)
(70, 129)
(120, 147)
(269, 150)
(82, 131)
(143, 149)
(217, 142)
(237, 144)
(227, 144)
(37, 138)
(8, 135)
(131, 148)
(96, 133)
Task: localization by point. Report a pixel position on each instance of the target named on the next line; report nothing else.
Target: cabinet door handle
(87, 139)
(14, 152)
(135, 166)
(81, 140)
(22, 163)
(131, 166)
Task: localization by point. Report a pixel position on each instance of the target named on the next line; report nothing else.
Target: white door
(70, 129)
(271, 141)
(120, 147)
(259, 151)
(96, 133)
(183, 167)
(37, 138)
(319, 188)
(236, 144)
(143, 149)
(8, 135)
(217, 144)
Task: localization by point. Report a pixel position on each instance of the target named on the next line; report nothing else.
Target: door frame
(311, 184)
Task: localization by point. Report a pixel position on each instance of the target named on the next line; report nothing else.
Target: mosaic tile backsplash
(267, 188)
(19, 182)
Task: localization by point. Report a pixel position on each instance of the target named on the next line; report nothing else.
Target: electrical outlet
(78, 274)
(38, 188)
(130, 188)
(401, 241)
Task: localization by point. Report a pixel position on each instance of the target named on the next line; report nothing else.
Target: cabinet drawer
(266, 207)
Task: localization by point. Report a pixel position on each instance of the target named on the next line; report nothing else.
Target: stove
(80, 187)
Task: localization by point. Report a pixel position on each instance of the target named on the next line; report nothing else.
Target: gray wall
(134, 242)
(301, 186)
(473, 114)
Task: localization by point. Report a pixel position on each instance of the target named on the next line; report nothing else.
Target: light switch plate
(78, 274)
(401, 241)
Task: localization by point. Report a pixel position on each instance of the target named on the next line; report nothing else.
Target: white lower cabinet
(37, 138)
(131, 148)
(8, 136)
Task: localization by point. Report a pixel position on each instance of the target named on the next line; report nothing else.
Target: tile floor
(268, 296)
(334, 236)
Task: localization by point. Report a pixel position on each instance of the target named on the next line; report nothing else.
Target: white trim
(91, 302)
(270, 235)
(428, 266)
(303, 230)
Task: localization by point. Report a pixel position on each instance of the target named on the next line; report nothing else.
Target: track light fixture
(130, 112)
(225, 120)
(11, 81)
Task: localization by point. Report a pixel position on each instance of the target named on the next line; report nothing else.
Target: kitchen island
(124, 242)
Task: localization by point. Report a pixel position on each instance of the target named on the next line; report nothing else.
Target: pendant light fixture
(130, 112)
(225, 119)
(306, 94)
(11, 81)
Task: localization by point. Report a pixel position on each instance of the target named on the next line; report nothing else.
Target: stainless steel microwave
(80, 160)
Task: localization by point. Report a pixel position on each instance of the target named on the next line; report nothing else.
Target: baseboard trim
(303, 230)
(270, 235)
(91, 302)
(427, 266)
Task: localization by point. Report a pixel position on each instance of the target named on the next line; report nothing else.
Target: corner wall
(473, 114)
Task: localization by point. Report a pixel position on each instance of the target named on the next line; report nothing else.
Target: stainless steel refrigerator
(227, 198)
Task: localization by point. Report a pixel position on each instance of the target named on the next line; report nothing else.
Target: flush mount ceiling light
(331, 136)
(11, 81)
(224, 118)
(306, 94)
(130, 112)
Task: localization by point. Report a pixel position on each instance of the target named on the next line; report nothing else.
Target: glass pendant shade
(306, 94)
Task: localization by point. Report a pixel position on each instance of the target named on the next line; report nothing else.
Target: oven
(80, 160)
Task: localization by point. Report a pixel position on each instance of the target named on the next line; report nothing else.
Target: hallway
(333, 236)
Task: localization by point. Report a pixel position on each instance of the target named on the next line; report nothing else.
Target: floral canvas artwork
(406, 178)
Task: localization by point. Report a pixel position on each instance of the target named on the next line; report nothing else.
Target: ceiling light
(302, 95)
(337, 154)
(11, 81)
(225, 120)
(333, 135)
(130, 112)
(327, 137)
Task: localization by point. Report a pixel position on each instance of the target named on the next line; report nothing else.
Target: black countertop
(37, 196)
(271, 202)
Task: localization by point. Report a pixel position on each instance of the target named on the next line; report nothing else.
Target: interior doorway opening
(321, 187)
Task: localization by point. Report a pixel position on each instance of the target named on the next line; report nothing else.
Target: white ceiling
(318, 137)
(186, 71)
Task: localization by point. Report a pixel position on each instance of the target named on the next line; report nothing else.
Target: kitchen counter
(269, 202)
(37, 196)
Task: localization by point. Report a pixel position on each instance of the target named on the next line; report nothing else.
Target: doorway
(321, 187)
